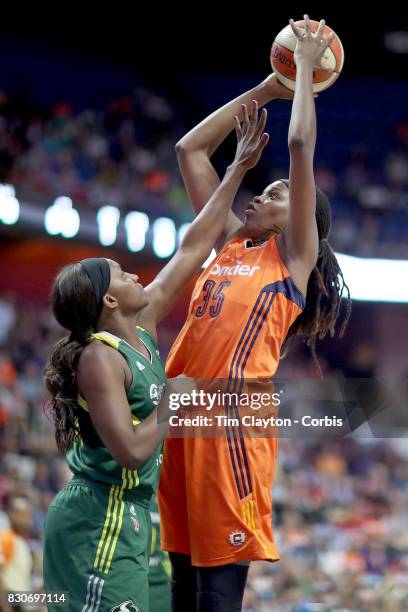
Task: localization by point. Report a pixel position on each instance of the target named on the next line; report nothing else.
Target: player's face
(268, 211)
(21, 517)
(125, 287)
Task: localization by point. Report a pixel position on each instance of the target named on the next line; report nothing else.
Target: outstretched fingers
(307, 25)
(237, 126)
(261, 123)
(320, 29)
(327, 41)
(263, 141)
(295, 30)
(245, 118)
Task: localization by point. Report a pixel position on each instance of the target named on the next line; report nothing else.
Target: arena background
(90, 110)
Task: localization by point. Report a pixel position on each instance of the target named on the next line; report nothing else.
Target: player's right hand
(276, 89)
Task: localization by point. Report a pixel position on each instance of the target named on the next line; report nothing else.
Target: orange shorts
(215, 498)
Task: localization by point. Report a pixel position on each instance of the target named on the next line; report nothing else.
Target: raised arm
(208, 225)
(195, 149)
(300, 239)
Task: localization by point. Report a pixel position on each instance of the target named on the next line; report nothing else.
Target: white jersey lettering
(237, 270)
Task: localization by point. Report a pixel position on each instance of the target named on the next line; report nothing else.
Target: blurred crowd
(370, 202)
(340, 511)
(340, 508)
(123, 155)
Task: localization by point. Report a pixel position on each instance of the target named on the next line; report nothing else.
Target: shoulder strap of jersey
(107, 338)
(147, 335)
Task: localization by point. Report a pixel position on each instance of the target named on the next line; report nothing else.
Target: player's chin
(144, 297)
(250, 224)
(139, 296)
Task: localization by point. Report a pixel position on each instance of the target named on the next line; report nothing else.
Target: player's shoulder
(97, 355)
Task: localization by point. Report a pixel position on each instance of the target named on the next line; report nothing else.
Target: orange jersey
(240, 312)
(215, 493)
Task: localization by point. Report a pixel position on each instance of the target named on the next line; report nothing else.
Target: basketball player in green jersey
(105, 381)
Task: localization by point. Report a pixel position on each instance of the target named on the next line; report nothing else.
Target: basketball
(284, 65)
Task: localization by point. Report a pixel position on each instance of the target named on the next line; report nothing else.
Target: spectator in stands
(16, 560)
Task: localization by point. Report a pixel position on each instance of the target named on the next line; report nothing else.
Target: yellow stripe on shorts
(117, 533)
(114, 529)
(108, 519)
(248, 511)
(114, 520)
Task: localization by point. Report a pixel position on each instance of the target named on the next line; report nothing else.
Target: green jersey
(88, 455)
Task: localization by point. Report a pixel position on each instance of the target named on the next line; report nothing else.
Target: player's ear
(110, 301)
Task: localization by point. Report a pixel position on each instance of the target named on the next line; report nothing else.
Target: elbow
(186, 146)
(298, 142)
(132, 462)
(140, 454)
(182, 147)
(179, 146)
(301, 145)
(129, 458)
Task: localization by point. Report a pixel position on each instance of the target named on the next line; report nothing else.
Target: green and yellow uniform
(98, 528)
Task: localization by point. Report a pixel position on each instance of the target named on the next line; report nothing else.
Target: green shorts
(97, 542)
(160, 598)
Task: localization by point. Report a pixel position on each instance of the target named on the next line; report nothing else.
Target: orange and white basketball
(284, 65)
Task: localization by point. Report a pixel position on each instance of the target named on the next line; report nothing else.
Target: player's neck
(125, 329)
(258, 237)
(262, 237)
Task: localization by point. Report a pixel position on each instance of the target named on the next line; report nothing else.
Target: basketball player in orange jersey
(275, 276)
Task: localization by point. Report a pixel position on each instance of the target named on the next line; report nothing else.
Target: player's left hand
(310, 47)
(250, 136)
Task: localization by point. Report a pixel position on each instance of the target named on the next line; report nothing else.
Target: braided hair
(75, 307)
(324, 289)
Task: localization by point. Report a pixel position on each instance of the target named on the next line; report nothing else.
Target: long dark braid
(324, 290)
(74, 306)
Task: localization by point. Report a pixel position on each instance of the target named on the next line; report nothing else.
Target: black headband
(98, 272)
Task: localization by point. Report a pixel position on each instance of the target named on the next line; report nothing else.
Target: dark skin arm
(208, 225)
(102, 378)
(298, 245)
(195, 149)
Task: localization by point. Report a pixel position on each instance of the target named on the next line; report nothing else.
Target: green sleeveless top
(88, 457)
